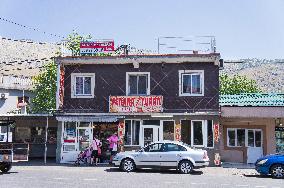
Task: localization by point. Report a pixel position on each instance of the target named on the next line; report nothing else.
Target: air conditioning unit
(4, 95)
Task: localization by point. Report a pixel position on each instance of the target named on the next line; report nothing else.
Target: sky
(243, 28)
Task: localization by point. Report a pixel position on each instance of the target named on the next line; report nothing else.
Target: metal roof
(252, 99)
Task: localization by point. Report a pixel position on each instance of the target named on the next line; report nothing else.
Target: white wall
(10, 103)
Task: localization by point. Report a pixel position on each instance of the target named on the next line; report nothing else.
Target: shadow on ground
(160, 171)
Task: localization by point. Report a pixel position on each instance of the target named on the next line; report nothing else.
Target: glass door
(150, 134)
(84, 138)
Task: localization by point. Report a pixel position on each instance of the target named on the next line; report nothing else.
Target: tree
(237, 84)
(73, 42)
(45, 89)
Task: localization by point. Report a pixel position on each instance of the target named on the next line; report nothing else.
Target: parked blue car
(271, 164)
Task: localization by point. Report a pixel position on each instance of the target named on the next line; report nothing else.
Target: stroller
(84, 157)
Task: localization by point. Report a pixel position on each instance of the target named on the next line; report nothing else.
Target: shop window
(168, 130)
(236, 137)
(191, 83)
(197, 130)
(69, 133)
(254, 138)
(210, 140)
(138, 83)
(186, 131)
(83, 85)
(132, 131)
(241, 137)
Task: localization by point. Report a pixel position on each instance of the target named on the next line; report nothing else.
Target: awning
(89, 118)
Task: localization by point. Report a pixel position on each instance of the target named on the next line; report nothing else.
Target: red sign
(96, 47)
(133, 104)
(216, 132)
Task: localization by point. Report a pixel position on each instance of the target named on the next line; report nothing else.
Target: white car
(168, 154)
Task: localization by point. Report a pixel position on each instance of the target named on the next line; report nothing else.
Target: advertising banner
(96, 47)
(135, 104)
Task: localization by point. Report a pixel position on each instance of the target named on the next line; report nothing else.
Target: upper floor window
(138, 83)
(191, 83)
(83, 85)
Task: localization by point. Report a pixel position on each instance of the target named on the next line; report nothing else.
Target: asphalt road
(70, 176)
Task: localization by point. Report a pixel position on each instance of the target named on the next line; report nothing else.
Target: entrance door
(254, 144)
(84, 138)
(150, 134)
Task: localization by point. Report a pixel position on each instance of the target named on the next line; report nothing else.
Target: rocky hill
(269, 74)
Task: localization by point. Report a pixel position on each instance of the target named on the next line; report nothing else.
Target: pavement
(57, 175)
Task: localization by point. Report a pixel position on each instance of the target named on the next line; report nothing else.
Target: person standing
(96, 145)
(113, 144)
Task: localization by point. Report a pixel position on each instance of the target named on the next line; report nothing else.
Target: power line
(31, 28)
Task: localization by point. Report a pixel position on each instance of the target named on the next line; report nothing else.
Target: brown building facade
(143, 98)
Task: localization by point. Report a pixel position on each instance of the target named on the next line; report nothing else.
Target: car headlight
(262, 161)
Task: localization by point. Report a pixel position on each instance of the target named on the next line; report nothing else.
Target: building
(21, 60)
(144, 98)
(251, 126)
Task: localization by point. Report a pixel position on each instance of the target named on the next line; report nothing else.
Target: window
(168, 130)
(132, 130)
(153, 148)
(202, 133)
(242, 137)
(173, 147)
(138, 83)
(236, 137)
(191, 83)
(197, 133)
(83, 85)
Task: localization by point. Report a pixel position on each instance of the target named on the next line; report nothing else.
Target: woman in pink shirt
(113, 140)
(96, 145)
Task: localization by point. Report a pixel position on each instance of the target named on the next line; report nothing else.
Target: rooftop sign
(95, 47)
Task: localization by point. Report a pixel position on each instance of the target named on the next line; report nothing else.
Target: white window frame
(254, 138)
(73, 85)
(204, 133)
(236, 137)
(246, 137)
(137, 74)
(200, 72)
(140, 129)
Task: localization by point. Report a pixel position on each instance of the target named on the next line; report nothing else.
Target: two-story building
(144, 98)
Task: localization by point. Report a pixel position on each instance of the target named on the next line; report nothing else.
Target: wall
(110, 79)
(10, 104)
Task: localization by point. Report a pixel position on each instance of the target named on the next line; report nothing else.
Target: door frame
(156, 131)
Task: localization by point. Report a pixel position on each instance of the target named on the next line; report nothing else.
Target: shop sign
(178, 132)
(279, 128)
(216, 132)
(95, 47)
(138, 104)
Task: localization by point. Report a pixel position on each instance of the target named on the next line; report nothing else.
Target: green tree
(45, 89)
(73, 42)
(237, 84)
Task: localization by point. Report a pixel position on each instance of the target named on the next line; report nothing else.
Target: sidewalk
(237, 165)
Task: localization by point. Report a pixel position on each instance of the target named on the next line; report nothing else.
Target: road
(70, 176)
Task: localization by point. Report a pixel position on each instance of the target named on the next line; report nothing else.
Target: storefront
(134, 131)
(279, 135)
(32, 136)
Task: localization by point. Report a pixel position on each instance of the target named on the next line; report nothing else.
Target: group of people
(94, 152)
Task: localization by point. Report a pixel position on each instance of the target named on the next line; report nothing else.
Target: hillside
(269, 74)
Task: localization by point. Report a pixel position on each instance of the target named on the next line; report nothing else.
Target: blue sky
(243, 28)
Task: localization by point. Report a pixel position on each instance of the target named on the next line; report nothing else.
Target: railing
(14, 82)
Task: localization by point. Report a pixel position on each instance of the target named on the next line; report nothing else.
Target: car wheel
(185, 167)
(128, 165)
(277, 171)
(6, 168)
